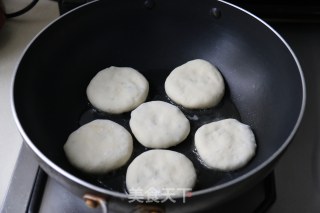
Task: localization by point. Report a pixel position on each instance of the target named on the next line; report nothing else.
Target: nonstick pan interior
(265, 87)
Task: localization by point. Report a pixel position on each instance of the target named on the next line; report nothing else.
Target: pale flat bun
(196, 84)
(160, 172)
(117, 89)
(158, 124)
(99, 146)
(225, 145)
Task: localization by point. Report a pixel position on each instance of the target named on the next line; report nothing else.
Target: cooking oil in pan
(205, 177)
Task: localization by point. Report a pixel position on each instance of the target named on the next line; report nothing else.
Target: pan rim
(93, 187)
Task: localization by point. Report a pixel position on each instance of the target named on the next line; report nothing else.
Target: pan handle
(94, 201)
(148, 209)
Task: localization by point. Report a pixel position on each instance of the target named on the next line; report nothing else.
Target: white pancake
(196, 84)
(225, 145)
(99, 146)
(160, 172)
(158, 124)
(117, 89)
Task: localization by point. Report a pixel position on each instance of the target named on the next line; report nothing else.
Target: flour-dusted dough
(99, 146)
(226, 144)
(159, 173)
(117, 89)
(158, 124)
(196, 84)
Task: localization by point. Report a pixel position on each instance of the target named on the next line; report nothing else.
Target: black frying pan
(265, 85)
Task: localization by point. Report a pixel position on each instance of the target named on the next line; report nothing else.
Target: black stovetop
(296, 176)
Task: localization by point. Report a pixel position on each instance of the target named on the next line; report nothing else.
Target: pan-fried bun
(99, 146)
(157, 124)
(117, 89)
(196, 84)
(160, 173)
(225, 145)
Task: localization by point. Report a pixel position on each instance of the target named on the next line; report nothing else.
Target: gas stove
(294, 185)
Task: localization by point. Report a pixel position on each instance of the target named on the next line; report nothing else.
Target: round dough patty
(226, 144)
(160, 172)
(99, 146)
(117, 89)
(196, 84)
(158, 124)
